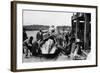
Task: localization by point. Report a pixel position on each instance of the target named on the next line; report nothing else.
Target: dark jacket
(39, 36)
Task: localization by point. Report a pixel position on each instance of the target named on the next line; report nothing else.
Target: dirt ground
(41, 59)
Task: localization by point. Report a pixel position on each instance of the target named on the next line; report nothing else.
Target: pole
(85, 23)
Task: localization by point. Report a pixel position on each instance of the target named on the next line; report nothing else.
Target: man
(52, 30)
(60, 43)
(73, 47)
(28, 46)
(24, 35)
(39, 38)
(66, 37)
(76, 51)
(39, 35)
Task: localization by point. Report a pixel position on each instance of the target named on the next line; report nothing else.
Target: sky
(46, 18)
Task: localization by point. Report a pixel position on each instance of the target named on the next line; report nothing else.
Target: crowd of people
(55, 44)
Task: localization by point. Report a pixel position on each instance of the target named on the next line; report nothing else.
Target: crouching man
(27, 44)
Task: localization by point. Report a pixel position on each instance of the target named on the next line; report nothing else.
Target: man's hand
(29, 45)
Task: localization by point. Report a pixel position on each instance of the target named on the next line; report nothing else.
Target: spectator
(24, 35)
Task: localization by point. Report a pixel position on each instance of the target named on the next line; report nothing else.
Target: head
(40, 30)
(73, 39)
(78, 41)
(52, 26)
(63, 29)
(31, 38)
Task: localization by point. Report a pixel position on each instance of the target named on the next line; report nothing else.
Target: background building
(81, 28)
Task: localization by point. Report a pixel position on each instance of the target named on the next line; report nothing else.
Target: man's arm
(45, 31)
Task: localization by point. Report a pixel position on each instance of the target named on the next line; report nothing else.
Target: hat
(77, 40)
